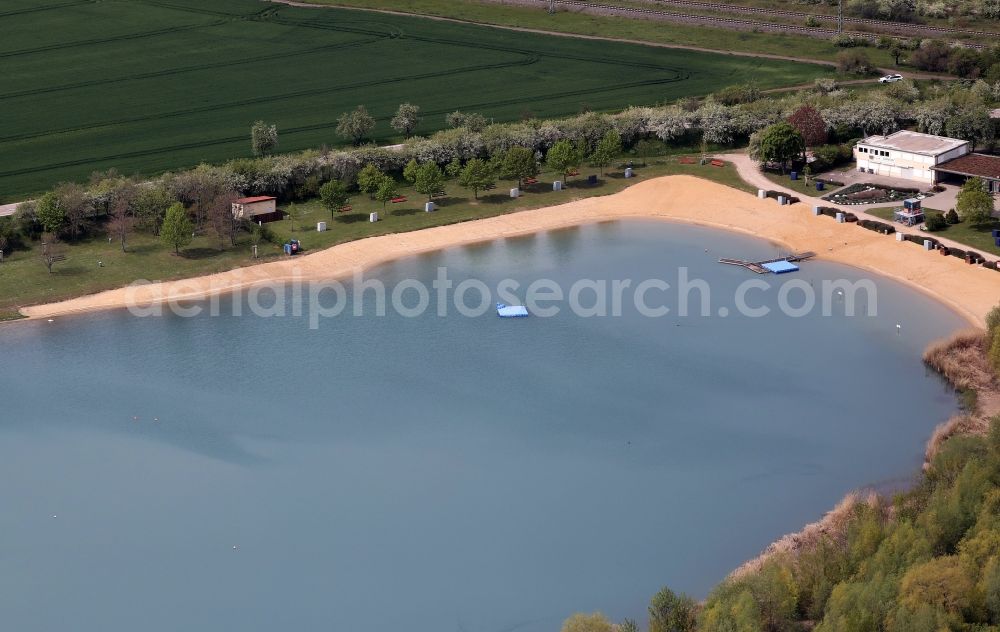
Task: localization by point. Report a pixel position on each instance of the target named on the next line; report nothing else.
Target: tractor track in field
(46, 7)
(228, 17)
(528, 58)
(313, 127)
(267, 99)
(176, 71)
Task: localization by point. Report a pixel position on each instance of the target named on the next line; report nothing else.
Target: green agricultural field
(145, 86)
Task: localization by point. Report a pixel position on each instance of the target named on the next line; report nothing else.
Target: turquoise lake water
(444, 473)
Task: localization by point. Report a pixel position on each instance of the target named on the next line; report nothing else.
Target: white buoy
(234, 547)
(51, 321)
(898, 327)
(54, 516)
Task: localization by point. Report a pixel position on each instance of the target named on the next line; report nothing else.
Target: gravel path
(751, 174)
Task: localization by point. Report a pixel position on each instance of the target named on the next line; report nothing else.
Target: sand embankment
(970, 290)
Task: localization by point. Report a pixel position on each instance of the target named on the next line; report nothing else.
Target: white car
(890, 78)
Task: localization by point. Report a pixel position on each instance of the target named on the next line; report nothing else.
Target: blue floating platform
(511, 311)
(780, 267)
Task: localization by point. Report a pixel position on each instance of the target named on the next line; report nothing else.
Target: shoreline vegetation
(937, 543)
(969, 290)
(962, 360)
(925, 560)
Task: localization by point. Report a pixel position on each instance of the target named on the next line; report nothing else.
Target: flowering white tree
(879, 115)
(406, 118)
(669, 123)
(630, 124)
(932, 116)
(717, 123)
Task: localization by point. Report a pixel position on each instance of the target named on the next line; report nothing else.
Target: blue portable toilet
(795, 175)
(288, 249)
(820, 185)
(591, 179)
(996, 233)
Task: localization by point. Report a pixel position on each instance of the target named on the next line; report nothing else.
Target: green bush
(995, 350)
(829, 156)
(993, 320)
(935, 222)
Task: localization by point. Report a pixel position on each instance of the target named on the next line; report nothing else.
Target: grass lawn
(799, 186)
(168, 84)
(24, 279)
(978, 238)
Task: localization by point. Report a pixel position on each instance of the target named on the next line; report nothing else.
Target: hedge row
(878, 227)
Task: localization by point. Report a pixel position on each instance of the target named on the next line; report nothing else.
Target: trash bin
(794, 175)
(820, 185)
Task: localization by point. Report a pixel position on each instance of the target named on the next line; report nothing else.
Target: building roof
(915, 143)
(973, 165)
(251, 200)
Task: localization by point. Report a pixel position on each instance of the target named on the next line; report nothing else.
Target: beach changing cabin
(262, 208)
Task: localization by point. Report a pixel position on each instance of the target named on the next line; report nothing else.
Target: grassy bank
(799, 186)
(96, 264)
(979, 238)
(925, 560)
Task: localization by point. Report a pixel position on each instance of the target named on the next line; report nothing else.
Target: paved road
(751, 174)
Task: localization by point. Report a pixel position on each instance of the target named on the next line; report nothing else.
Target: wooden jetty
(758, 266)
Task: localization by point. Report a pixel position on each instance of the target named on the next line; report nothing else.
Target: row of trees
(476, 174)
(118, 206)
(357, 125)
(114, 204)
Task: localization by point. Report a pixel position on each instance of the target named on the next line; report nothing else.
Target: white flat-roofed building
(908, 155)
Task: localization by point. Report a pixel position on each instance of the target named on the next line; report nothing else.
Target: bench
(572, 172)
(718, 163)
(397, 200)
(346, 208)
(686, 160)
(438, 194)
(531, 180)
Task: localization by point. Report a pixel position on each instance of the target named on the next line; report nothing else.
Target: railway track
(725, 22)
(736, 8)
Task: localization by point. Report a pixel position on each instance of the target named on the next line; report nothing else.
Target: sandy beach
(970, 290)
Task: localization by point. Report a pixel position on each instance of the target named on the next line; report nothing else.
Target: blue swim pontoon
(781, 265)
(511, 311)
